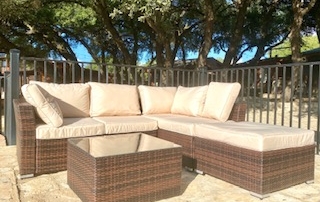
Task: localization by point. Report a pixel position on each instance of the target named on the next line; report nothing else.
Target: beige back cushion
(73, 99)
(46, 106)
(189, 100)
(220, 100)
(156, 100)
(113, 100)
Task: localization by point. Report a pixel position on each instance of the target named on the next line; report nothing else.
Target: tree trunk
(159, 54)
(207, 36)
(295, 40)
(237, 33)
(259, 53)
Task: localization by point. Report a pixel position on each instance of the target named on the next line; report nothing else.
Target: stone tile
(50, 188)
(8, 185)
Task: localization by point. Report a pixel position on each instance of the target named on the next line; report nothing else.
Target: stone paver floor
(195, 188)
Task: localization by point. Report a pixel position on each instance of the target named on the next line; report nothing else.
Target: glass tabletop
(111, 145)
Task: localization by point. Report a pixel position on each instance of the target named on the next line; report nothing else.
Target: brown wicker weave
(140, 177)
(25, 136)
(185, 141)
(51, 154)
(38, 156)
(258, 172)
(237, 114)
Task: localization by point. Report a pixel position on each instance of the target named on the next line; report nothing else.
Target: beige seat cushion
(113, 100)
(73, 99)
(179, 123)
(46, 106)
(127, 124)
(189, 100)
(256, 136)
(220, 99)
(72, 127)
(156, 100)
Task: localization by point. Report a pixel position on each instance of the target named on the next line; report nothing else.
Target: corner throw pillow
(156, 100)
(73, 98)
(220, 100)
(46, 106)
(189, 100)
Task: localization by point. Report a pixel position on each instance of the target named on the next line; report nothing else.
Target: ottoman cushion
(255, 136)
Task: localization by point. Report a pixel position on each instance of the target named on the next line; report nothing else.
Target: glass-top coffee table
(129, 167)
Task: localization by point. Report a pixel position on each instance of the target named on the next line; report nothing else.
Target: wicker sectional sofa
(206, 121)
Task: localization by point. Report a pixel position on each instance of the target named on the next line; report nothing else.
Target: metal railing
(2, 94)
(274, 94)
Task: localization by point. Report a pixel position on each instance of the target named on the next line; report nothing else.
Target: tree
(208, 29)
(15, 30)
(283, 50)
(119, 31)
(300, 9)
(266, 27)
(237, 30)
(311, 22)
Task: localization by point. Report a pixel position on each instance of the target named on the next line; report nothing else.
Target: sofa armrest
(238, 112)
(25, 135)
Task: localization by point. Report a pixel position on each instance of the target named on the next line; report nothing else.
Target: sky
(84, 56)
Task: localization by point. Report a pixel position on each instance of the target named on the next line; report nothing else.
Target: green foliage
(74, 15)
(17, 9)
(144, 8)
(100, 66)
(113, 30)
(283, 50)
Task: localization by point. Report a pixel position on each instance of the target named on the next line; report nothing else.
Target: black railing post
(11, 92)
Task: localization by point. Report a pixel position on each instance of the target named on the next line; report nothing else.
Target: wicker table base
(144, 168)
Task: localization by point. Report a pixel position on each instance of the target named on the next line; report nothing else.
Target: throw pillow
(72, 98)
(220, 100)
(156, 100)
(46, 106)
(113, 100)
(189, 100)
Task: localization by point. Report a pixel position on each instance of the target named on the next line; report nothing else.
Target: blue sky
(84, 56)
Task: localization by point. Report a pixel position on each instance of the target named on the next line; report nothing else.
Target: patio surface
(194, 188)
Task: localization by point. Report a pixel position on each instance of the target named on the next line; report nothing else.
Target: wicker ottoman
(261, 158)
(129, 167)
